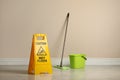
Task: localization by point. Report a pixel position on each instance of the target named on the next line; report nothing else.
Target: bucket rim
(77, 55)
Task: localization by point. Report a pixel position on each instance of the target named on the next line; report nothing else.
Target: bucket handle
(84, 57)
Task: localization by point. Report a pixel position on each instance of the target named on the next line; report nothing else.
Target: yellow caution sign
(40, 57)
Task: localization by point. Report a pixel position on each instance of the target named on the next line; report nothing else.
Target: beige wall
(94, 26)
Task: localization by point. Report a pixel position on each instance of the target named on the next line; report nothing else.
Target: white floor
(89, 73)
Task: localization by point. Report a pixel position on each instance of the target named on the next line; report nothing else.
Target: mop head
(62, 68)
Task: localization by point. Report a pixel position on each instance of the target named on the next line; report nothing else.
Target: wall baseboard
(56, 61)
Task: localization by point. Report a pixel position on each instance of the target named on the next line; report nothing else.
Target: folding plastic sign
(40, 57)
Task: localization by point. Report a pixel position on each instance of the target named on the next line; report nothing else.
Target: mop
(61, 62)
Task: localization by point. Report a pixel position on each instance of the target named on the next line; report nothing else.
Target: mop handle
(67, 19)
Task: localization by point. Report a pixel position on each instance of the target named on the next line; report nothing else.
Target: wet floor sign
(40, 57)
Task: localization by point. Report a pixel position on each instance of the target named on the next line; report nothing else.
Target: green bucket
(77, 61)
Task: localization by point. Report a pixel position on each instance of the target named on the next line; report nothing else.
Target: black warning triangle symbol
(41, 52)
